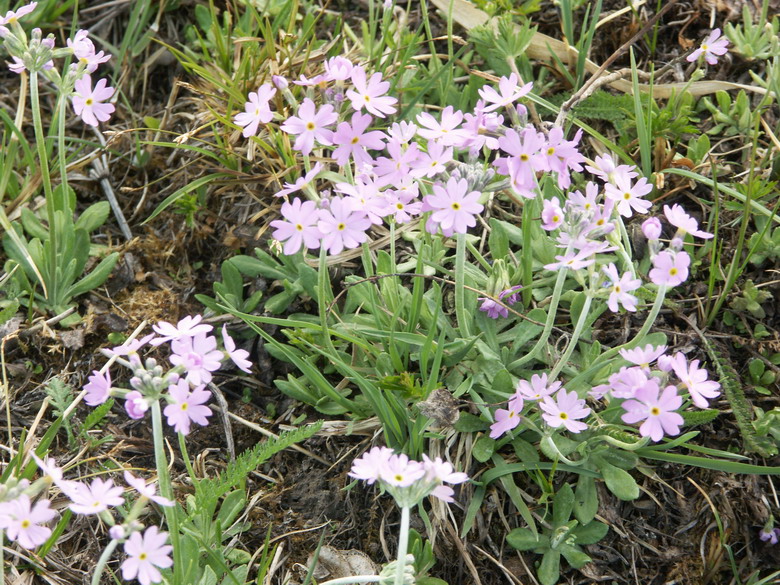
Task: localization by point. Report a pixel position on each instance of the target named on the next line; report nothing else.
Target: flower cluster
(408, 481)
(557, 407)
(650, 396)
(194, 356)
(29, 524)
(37, 54)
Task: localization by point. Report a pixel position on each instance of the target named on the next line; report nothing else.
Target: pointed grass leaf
(95, 278)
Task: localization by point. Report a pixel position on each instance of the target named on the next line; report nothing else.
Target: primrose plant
(194, 358)
(434, 176)
(52, 260)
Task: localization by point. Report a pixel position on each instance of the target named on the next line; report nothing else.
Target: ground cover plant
(492, 281)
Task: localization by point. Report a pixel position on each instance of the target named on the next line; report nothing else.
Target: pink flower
(146, 554)
(84, 52)
(132, 346)
(198, 356)
(311, 124)
(714, 46)
(402, 204)
(628, 197)
(396, 168)
(620, 287)
(136, 405)
(301, 182)
(13, 16)
(508, 419)
(454, 207)
(651, 228)
(434, 162)
(148, 491)
(695, 380)
(95, 497)
(446, 131)
(684, 223)
(369, 465)
(299, 227)
(187, 406)
(657, 412)
(256, 111)
(371, 94)
(552, 214)
(238, 356)
(643, 356)
(538, 388)
(187, 327)
(88, 103)
(509, 91)
(525, 156)
(22, 521)
(98, 389)
(343, 225)
(565, 411)
(438, 471)
(338, 69)
(670, 269)
(604, 168)
(495, 310)
(353, 140)
(400, 471)
(623, 384)
(576, 260)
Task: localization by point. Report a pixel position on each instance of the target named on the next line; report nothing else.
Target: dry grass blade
(543, 47)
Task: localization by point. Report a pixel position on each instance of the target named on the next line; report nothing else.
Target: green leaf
(95, 278)
(231, 507)
(550, 568)
(563, 504)
(179, 193)
(94, 216)
(525, 451)
(574, 556)
(498, 240)
(586, 500)
(524, 539)
(483, 449)
(591, 532)
(619, 481)
(470, 423)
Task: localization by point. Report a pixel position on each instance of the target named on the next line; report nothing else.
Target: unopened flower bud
(651, 227)
(280, 82)
(117, 532)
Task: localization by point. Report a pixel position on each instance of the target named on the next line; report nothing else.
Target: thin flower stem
(102, 561)
(575, 337)
(548, 324)
(166, 490)
(186, 457)
(550, 444)
(638, 338)
(403, 543)
(51, 204)
(464, 321)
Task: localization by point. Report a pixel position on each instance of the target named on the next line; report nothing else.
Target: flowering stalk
(575, 336)
(166, 490)
(548, 324)
(464, 320)
(403, 544)
(103, 560)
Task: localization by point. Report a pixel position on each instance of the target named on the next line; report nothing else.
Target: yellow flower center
(524, 157)
(626, 196)
(299, 227)
(89, 101)
(672, 271)
(355, 140)
(310, 126)
(184, 406)
(142, 556)
(563, 416)
(655, 411)
(341, 227)
(26, 524)
(456, 206)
